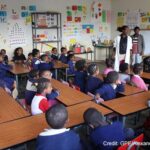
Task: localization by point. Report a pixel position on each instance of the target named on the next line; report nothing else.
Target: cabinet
(46, 29)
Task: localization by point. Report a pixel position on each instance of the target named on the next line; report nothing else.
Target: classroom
(74, 75)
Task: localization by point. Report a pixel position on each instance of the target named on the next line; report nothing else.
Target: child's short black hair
(54, 49)
(3, 50)
(112, 77)
(35, 52)
(29, 54)
(70, 52)
(136, 28)
(123, 67)
(42, 85)
(92, 68)
(43, 57)
(70, 56)
(93, 117)
(109, 62)
(80, 65)
(56, 116)
(62, 49)
(137, 68)
(33, 74)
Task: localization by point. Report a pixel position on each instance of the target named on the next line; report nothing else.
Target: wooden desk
(129, 104)
(26, 129)
(146, 75)
(17, 69)
(76, 112)
(9, 108)
(60, 65)
(68, 95)
(130, 90)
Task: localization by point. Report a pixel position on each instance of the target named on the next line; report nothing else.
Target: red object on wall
(69, 18)
(74, 7)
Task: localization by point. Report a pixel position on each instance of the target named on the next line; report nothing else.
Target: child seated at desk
(40, 103)
(19, 57)
(93, 82)
(124, 73)
(5, 57)
(35, 60)
(112, 85)
(70, 63)
(29, 60)
(57, 137)
(136, 80)
(54, 53)
(45, 64)
(63, 57)
(103, 132)
(109, 66)
(52, 96)
(80, 74)
(31, 86)
(31, 89)
(4, 69)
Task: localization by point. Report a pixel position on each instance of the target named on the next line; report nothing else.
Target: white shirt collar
(114, 86)
(49, 132)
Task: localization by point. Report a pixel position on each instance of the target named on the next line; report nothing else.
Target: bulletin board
(134, 18)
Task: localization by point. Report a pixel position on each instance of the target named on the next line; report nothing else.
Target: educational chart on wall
(17, 34)
(90, 20)
(134, 18)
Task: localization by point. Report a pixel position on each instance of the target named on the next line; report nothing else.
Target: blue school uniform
(35, 63)
(70, 70)
(67, 140)
(45, 66)
(80, 79)
(107, 92)
(63, 58)
(113, 133)
(54, 57)
(92, 84)
(4, 68)
(31, 92)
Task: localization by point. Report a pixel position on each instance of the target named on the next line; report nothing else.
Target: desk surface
(19, 68)
(23, 130)
(130, 90)
(145, 75)
(9, 108)
(129, 104)
(59, 65)
(68, 95)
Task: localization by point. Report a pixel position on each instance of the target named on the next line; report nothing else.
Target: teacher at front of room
(123, 46)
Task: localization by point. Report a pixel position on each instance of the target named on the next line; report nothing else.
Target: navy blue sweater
(45, 66)
(64, 141)
(80, 79)
(92, 84)
(107, 92)
(63, 58)
(109, 133)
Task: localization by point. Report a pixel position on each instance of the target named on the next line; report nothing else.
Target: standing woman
(123, 46)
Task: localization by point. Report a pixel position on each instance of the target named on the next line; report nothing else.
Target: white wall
(131, 5)
(49, 5)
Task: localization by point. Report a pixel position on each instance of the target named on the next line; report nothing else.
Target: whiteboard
(146, 35)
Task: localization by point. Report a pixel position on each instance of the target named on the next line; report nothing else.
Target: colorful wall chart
(96, 10)
(3, 13)
(88, 28)
(76, 13)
